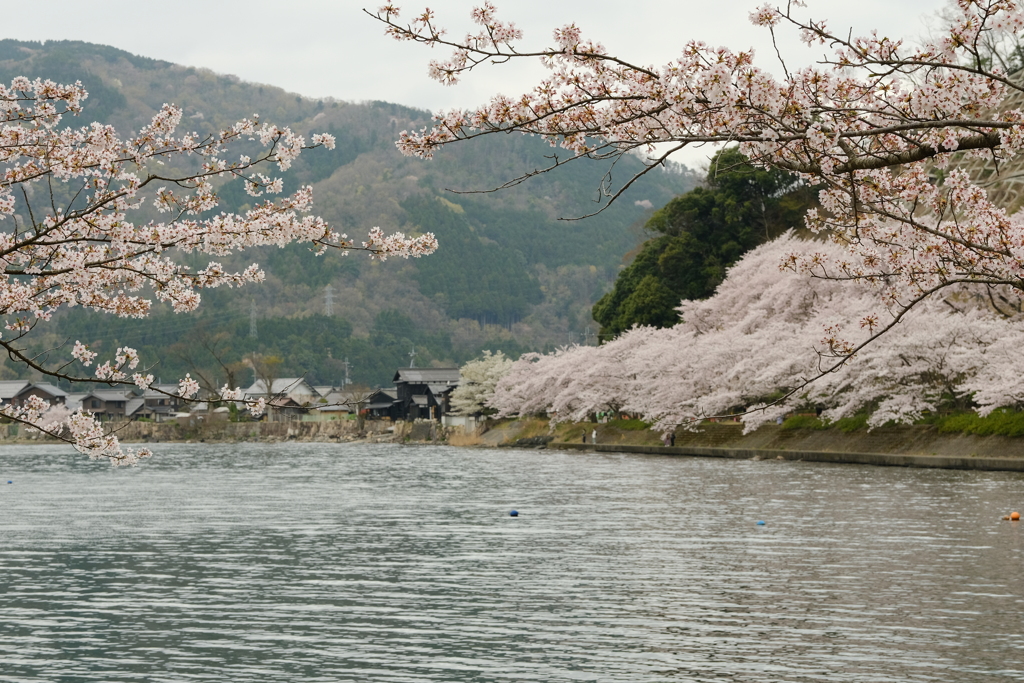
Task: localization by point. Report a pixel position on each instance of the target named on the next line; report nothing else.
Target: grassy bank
(1001, 422)
(956, 436)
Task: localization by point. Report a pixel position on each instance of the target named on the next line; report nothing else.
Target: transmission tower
(328, 300)
(347, 381)
(252, 320)
(412, 358)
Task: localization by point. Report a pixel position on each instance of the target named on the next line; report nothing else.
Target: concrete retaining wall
(217, 431)
(886, 459)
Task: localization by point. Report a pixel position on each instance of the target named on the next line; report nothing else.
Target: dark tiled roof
(51, 389)
(432, 375)
(171, 389)
(11, 388)
(112, 395)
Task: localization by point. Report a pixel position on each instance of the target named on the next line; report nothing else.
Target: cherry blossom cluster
(80, 428)
(87, 434)
(73, 232)
(477, 381)
(767, 332)
(381, 246)
(494, 35)
(876, 123)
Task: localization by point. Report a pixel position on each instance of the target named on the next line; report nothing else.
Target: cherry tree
(882, 126)
(477, 380)
(574, 381)
(90, 219)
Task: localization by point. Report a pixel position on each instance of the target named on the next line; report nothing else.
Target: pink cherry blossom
(95, 252)
(870, 124)
(769, 331)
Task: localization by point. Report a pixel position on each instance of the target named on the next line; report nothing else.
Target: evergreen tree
(699, 235)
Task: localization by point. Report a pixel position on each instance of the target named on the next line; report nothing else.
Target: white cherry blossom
(72, 232)
(873, 124)
(753, 347)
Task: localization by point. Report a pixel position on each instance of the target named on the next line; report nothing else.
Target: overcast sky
(329, 48)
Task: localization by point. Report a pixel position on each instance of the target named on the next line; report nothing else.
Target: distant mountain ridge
(512, 276)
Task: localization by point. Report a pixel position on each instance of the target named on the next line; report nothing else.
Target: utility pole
(587, 335)
(412, 358)
(252, 319)
(328, 300)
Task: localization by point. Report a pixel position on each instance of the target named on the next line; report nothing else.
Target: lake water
(333, 562)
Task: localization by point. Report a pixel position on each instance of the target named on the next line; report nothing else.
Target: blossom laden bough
(875, 124)
(69, 236)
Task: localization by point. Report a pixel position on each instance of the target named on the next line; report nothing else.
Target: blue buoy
(514, 513)
(760, 522)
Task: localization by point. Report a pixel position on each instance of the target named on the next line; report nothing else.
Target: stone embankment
(193, 430)
(903, 446)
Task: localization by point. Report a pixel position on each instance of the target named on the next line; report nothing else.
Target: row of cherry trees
(753, 346)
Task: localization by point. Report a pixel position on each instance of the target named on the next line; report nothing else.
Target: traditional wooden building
(423, 393)
(295, 388)
(155, 403)
(16, 392)
(383, 405)
(337, 403)
(284, 409)
(103, 404)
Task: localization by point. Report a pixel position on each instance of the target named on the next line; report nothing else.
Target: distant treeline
(315, 347)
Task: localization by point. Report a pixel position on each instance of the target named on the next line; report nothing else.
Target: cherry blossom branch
(78, 245)
(868, 123)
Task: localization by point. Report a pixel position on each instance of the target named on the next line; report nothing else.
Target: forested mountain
(509, 275)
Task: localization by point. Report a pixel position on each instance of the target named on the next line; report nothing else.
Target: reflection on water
(332, 562)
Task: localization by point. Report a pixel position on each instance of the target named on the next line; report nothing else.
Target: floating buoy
(760, 522)
(1014, 516)
(514, 513)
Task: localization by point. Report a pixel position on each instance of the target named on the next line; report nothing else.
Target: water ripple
(332, 562)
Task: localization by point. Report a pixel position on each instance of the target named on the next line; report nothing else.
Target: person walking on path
(593, 436)
(672, 440)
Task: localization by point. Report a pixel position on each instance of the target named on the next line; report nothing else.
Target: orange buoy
(1014, 516)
